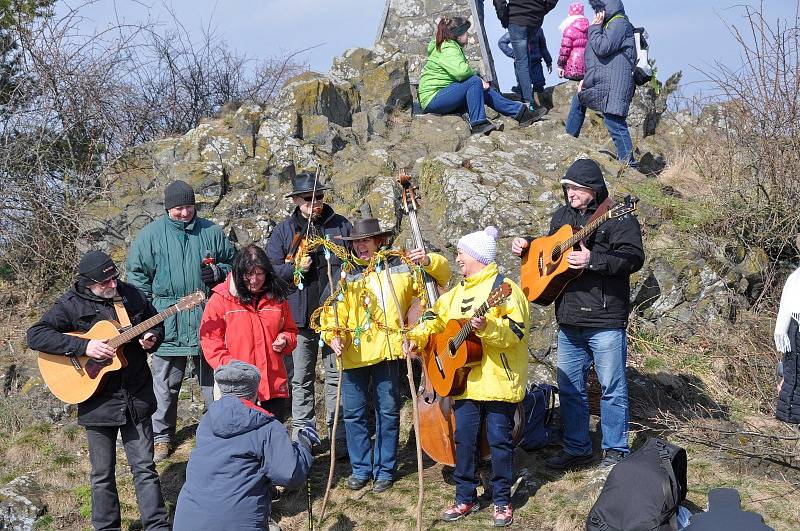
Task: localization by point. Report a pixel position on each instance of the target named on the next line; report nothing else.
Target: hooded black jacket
(523, 12)
(315, 280)
(600, 296)
(128, 390)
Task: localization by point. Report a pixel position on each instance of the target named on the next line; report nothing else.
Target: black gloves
(211, 274)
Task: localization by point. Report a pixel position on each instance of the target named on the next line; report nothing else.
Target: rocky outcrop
(20, 504)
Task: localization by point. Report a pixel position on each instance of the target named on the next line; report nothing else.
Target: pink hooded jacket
(575, 29)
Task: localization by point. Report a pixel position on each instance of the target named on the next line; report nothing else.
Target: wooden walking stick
(338, 399)
(412, 388)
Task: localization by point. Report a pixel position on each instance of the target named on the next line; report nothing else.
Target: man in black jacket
(523, 19)
(125, 402)
(308, 197)
(592, 314)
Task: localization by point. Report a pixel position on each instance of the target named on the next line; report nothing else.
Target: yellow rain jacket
(376, 345)
(502, 374)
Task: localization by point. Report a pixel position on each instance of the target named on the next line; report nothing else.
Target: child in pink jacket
(575, 29)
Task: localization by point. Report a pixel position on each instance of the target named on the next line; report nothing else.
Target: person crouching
(241, 451)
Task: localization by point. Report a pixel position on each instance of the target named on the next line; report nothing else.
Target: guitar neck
(584, 233)
(466, 330)
(142, 327)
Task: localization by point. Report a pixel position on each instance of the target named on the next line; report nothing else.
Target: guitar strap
(604, 207)
(122, 313)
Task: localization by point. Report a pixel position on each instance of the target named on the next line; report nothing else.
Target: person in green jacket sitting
(448, 84)
(173, 256)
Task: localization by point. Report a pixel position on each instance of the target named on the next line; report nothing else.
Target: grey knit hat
(178, 193)
(237, 378)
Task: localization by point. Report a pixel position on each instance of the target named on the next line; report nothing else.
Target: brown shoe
(161, 451)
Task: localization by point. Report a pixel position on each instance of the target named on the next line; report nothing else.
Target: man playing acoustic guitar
(592, 314)
(125, 403)
(495, 384)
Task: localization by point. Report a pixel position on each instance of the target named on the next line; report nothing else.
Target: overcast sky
(684, 34)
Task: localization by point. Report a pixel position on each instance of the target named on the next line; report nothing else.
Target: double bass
(437, 421)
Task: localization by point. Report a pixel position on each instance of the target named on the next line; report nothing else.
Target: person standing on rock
(495, 385)
(371, 356)
(125, 402)
(248, 318)
(592, 315)
(242, 451)
(308, 196)
(173, 256)
(523, 19)
(449, 85)
(537, 50)
(608, 86)
(574, 38)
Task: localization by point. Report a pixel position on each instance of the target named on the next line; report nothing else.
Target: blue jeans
(479, 5)
(577, 346)
(616, 125)
(537, 75)
(470, 93)
(520, 37)
(379, 462)
(499, 424)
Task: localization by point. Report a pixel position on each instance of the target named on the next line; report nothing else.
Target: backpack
(643, 491)
(642, 71)
(538, 406)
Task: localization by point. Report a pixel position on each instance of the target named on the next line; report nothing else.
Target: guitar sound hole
(451, 349)
(555, 255)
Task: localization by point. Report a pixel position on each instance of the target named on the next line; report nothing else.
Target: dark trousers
(499, 418)
(138, 441)
(277, 406)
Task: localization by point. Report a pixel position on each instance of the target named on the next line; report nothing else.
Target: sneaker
(161, 451)
(354, 483)
(382, 485)
(503, 516)
(611, 458)
(527, 116)
(484, 128)
(564, 461)
(458, 511)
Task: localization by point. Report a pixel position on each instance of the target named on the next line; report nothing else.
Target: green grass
(43, 523)
(686, 214)
(83, 495)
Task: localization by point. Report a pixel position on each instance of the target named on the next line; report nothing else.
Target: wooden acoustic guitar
(545, 271)
(74, 379)
(451, 352)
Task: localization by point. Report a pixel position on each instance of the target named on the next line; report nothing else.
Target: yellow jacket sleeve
(433, 321)
(508, 324)
(439, 269)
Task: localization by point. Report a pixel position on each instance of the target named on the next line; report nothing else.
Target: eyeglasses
(308, 198)
(107, 281)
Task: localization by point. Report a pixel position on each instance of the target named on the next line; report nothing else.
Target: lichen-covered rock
(20, 504)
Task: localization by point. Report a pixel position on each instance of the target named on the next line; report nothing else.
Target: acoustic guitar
(75, 379)
(451, 352)
(545, 271)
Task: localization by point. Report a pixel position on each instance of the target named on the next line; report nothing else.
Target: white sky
(684, 34)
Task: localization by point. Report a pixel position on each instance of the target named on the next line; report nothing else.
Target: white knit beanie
(481, 245)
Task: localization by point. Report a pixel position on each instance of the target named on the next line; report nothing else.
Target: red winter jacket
(575, 30)
(231, 330)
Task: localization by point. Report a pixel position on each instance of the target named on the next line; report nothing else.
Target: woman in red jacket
(247, 318)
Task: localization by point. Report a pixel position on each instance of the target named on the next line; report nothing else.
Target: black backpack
(643, 491)
(538, 406)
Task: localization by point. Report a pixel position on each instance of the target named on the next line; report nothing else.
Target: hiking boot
(503, 516)
(526, 116)
(484, 128)
(611, 458)
(382, 485)
(457, 511)
(564, 461)
(354, 483)
(161, 451)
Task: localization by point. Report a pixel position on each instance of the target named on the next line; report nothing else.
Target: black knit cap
(178, 193)
(96, 267)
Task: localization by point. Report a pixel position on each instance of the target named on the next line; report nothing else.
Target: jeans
(470, 92)
(301, 368)
(380, 462)
(520, 37)
(499, 418)
(617, 127)
(138, 442)
(168, 374)
(479, 5)
(537, 75)
(577, 346)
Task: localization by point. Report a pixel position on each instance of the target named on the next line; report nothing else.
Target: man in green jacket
(173, 256)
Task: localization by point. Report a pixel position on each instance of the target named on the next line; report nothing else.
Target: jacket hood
(586, 172)
(231, 416)
(611, 7)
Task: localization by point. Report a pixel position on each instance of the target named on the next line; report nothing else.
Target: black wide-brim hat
(366, 228)
(303, 183)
